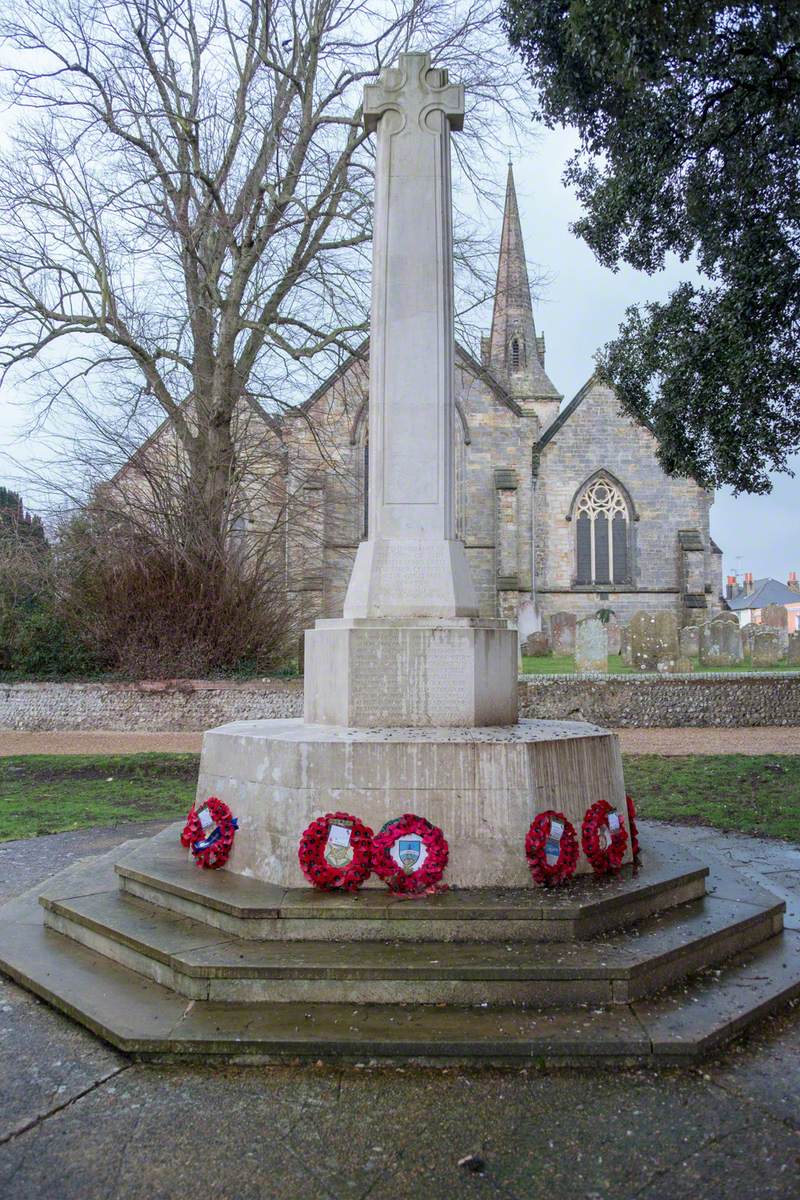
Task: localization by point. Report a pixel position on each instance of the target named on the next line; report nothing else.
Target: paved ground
(768, 740)
(79, 1122)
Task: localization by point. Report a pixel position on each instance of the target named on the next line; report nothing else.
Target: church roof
(568, 410)
(513, 311)
(360, 353)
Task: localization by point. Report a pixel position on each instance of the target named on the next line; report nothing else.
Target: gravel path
(774, 739)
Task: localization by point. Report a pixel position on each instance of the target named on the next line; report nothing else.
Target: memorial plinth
(410, 697)
(482, 786)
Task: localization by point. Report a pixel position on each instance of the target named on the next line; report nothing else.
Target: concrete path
(774, 739)
(79, 1121)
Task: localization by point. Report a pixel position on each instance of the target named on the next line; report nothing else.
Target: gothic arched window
(602, 534)
(517, 353)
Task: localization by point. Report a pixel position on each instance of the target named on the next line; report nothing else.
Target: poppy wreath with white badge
(410, 854)
(336, 852)
(634, 828)
(552, 860)
(603, 845)
(211, 843)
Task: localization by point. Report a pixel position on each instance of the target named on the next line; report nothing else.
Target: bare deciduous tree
(185, 206)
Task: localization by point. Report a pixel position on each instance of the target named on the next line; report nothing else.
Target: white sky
(581, 308)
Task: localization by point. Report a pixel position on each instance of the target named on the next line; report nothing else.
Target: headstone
(747, 638)
(767, 648)
(690, 641)
(654, 641)
(562, 632)
(625, 645)
(537, 645)
(614, 631)
(591, 645)
(528, 621)
(776, 616)
(793, 652)
(721, 644)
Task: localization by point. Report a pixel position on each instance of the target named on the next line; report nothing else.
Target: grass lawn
(51, 793)
(564, 664)
(747, 793)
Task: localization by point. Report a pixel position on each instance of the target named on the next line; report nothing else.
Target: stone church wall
(595, 437)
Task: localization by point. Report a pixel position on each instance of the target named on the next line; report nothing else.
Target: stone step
(201, 963)
(160, 872)
(150, 1021)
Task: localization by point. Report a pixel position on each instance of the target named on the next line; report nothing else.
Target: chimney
(792, 583)
(748, 583)
(730, 590)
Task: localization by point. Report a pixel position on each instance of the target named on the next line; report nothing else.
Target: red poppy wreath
(551, 848)
(410, 854)
(336, 852)
(209, 832)
(604, 837)
(634, 828)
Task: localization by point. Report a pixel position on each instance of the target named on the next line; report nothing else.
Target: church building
(561, 507)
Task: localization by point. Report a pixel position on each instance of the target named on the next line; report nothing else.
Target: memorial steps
(163, 960)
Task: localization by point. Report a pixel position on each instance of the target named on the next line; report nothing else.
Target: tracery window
(602, 540)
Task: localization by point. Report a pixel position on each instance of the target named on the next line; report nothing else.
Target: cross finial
(413, 88)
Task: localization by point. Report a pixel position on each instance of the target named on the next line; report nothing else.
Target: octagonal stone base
(482, 786)
(420, 672)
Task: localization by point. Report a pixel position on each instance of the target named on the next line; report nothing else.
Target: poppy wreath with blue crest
(210, 850)
(608, 859)
(544, 873)
(322, 874)
(427, 876)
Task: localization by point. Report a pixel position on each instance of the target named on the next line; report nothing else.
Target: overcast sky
(580, 310)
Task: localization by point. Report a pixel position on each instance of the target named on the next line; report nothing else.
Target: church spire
(515, 353)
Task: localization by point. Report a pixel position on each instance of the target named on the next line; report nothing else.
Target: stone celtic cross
(411, 564)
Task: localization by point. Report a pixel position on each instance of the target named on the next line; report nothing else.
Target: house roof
(765, 591)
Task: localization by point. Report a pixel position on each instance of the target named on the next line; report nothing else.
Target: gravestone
(654, 641)
(793, 651)
(562, 632)
(591, 645)
(721, 643)
(614, 631)
(767, 647)
(537, 645)
(690, 641)
(776, 616)
(625, 645)
(747, 639)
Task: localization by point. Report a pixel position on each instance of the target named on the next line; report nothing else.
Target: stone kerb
(591, 645)
(721, 643)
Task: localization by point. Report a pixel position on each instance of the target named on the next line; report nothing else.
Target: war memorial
(410, 709)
